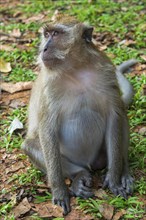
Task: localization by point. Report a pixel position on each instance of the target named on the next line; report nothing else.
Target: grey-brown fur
(77, 118)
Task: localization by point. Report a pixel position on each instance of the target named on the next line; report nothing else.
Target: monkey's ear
(87, 34)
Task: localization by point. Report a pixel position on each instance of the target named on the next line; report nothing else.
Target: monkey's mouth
(50, 61)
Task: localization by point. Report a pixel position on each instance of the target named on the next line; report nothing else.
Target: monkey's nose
(47, 44)
(45, 49)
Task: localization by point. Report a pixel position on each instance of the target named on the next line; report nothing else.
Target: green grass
(121, 19)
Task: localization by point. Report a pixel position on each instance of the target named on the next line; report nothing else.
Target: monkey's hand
(123, 188)
(61, 198)
(82, 185)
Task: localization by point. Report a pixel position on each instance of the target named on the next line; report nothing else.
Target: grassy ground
(120, 30)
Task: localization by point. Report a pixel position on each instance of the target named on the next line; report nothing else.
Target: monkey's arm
(50, 148)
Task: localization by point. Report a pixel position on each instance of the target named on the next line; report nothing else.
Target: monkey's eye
(46, 34)
(55, 33)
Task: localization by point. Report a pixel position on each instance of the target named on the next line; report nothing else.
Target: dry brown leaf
(107, 211)
(103, 47)
(77, 215)
(16, 99)
(142, 131)
(6, 47)
(33, 18)
(4, 66)
(129, 42)
(22, 208)
(17, 103)
(100, 193)
(15, 167)
(143, 57)
(56, 13)
(47, 209)
(119, 214)
(16, 33)
(20, 86)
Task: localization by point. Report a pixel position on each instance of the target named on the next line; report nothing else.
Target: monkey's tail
(124, 84)
(123, 67)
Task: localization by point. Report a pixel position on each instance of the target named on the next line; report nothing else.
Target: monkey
(77, 121)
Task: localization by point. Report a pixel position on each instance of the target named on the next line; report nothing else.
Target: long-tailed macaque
(77, 117)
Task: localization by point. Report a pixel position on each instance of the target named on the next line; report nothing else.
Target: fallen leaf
(22, 208)
(6, 47)
(124, 9)
(129, 42)
(78, 214)
(15, 87)
(15, 167)
(17, 103)
(119, 214)
(142, 131)
(16, 124)
(16, 33)
(47, 209)
(100, 193)
(4, 66)
(17, 14)
(106, 210)
(143, 57)
(56, 13)
(33, 18)
(21, 97)
(104, 47)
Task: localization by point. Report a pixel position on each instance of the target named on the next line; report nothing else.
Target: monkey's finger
(105, 184)
(88, 182)
(66, 207)
(127, 183)
(122, 193)
(86, 189)
(119, 191)
(86, 195)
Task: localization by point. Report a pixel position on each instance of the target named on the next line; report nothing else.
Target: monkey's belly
(82, 137)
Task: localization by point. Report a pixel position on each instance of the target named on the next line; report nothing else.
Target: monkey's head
(64, 40)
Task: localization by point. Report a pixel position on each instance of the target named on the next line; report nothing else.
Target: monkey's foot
(123, 189)
(82, 185)
(61, 198)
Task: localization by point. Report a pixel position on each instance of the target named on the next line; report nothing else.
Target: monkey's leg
(82, 181)
(33, 149)
(127, 180)
(115, 151)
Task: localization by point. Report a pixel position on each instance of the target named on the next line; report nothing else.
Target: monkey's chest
(81, 136)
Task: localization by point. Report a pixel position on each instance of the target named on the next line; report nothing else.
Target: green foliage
(31, 176)
(39, 199)
(7, 140)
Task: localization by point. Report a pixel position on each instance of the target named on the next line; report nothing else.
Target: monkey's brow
(58, 27)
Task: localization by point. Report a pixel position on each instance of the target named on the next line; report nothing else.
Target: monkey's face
(63, 42)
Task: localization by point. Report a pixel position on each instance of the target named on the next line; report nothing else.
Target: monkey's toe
(65, 204)
(124, 189)
(61, 198)
(127, 183)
